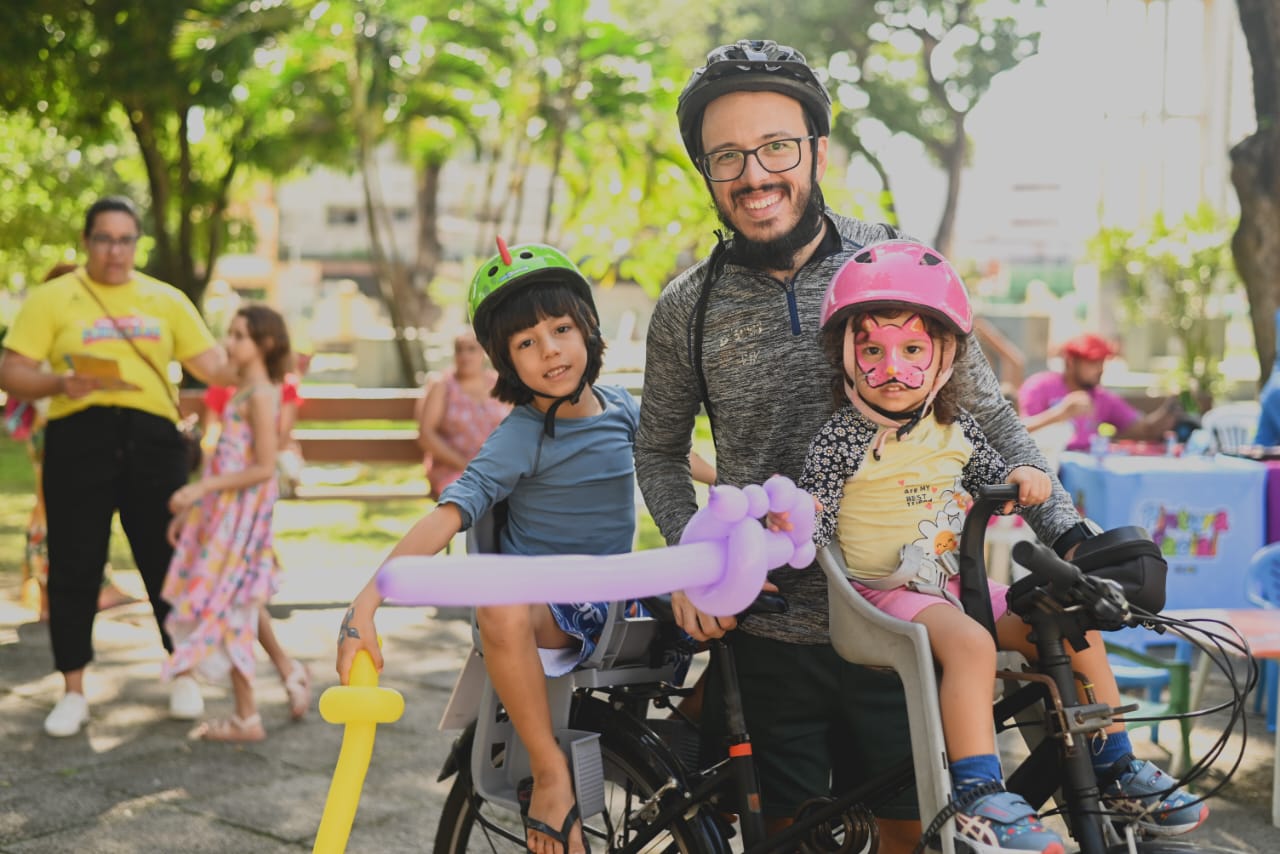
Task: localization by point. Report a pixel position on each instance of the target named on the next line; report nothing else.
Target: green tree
(189, 80)
(47, 182)
(909, 67)
(1255, 172)
(1177, 273)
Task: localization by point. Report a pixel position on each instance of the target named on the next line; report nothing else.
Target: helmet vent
(930, 260)
(526, 254)
(863, 257)
(493, 271)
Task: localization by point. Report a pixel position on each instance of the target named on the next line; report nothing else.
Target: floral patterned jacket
(840, 447)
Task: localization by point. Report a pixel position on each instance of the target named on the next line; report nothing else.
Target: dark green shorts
(818, 724)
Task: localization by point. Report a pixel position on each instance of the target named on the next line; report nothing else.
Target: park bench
(346, 444)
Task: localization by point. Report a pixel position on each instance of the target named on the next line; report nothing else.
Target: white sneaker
(185, 702)
(71, 713)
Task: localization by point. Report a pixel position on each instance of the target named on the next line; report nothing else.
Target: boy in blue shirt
(562, 460)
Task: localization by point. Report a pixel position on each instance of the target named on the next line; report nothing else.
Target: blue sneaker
(1142, 793)
(1004, 821)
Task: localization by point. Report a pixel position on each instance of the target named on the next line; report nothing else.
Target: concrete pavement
(133, 781)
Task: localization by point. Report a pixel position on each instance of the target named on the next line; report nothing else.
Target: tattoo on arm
(346, 630)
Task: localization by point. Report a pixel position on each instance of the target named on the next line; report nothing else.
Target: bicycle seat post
(741, 762)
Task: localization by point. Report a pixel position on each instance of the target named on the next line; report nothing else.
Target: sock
(1117, 747)
(972, 771)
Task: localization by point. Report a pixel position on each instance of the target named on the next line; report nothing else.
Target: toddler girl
(892, 470)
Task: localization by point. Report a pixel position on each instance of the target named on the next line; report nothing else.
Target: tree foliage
(1177, 273)
(190, 83)
(913, 68)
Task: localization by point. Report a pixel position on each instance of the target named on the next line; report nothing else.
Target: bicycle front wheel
(635, 767)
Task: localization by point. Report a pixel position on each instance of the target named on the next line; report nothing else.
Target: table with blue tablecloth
(1207, 515)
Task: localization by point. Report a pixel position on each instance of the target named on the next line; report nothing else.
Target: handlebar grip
(998, 492)
(1044, 564)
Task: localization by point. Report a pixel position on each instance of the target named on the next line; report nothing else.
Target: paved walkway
(133, 782)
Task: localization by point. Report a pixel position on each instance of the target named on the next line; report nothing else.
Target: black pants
(96, 462)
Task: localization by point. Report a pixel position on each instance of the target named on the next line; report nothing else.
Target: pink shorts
(905, 603)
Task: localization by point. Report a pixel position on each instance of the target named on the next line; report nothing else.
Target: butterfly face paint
(885, 350)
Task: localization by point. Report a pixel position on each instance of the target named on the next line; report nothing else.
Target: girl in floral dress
(224, 564)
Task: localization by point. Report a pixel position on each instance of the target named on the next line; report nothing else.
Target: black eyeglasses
(776, 155)
(106, 241)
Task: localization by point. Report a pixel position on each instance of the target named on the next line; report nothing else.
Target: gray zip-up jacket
(769, 388)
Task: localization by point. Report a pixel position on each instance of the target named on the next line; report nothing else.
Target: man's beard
(780, 252)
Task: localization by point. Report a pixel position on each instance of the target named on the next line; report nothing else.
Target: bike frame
(1060, 760)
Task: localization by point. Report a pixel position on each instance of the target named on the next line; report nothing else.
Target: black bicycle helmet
(751, 65)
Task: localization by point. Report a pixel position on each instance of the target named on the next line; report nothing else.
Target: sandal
(298, 686)
(524, 794)
(232, 729)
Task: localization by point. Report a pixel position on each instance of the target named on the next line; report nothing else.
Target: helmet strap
(549, 421)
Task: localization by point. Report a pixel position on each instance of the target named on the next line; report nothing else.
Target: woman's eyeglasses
(106, 241)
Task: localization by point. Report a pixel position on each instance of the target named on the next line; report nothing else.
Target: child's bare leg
(245, 724)
(1091, 661)
(511, 635)
(242, 687)
(271, 644)
(967, 655)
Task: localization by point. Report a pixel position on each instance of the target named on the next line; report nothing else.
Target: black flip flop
(524, 794)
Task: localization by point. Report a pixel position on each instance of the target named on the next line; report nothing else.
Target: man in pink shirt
(1075, 394)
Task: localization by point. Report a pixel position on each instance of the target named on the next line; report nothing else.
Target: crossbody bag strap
(164, 380)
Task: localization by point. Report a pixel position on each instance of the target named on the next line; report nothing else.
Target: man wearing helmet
(738, 334)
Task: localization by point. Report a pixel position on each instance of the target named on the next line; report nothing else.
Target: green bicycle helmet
(506, 278)
(517, 266)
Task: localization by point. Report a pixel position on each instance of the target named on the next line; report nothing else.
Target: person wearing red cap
(1075, 394)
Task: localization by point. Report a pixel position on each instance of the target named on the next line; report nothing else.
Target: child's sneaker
(1004, 821)
(1139, 790)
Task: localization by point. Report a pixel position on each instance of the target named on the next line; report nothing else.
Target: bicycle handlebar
(1046, 567)
(1102, 598)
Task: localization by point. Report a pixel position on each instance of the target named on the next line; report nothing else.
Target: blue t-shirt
(571, 494)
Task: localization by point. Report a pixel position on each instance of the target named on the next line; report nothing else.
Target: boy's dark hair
(524, 307)
(946, 406)
(119, 204)
(269, 333)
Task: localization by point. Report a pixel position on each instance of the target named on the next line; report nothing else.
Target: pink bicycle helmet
(900, 274)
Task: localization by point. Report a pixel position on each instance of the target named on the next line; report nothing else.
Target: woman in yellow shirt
(111, 443)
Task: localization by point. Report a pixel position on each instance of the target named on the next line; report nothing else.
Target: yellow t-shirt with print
(59, 319)
(912, 494)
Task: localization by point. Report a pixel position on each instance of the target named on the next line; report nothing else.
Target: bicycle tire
(635, 761)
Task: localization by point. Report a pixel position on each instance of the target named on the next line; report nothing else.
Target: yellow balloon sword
(360, 706)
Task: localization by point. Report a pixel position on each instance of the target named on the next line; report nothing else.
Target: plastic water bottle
(1099, 445)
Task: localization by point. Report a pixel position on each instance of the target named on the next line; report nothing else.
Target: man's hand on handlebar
(1034, 487)
(700, 625)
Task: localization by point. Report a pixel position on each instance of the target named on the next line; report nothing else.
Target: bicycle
(642, 788)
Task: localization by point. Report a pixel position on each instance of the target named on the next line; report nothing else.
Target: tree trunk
(557, 156)
(393, 280)
(489, 214)
(953, 162)
(429, 248)
(1255, 172)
